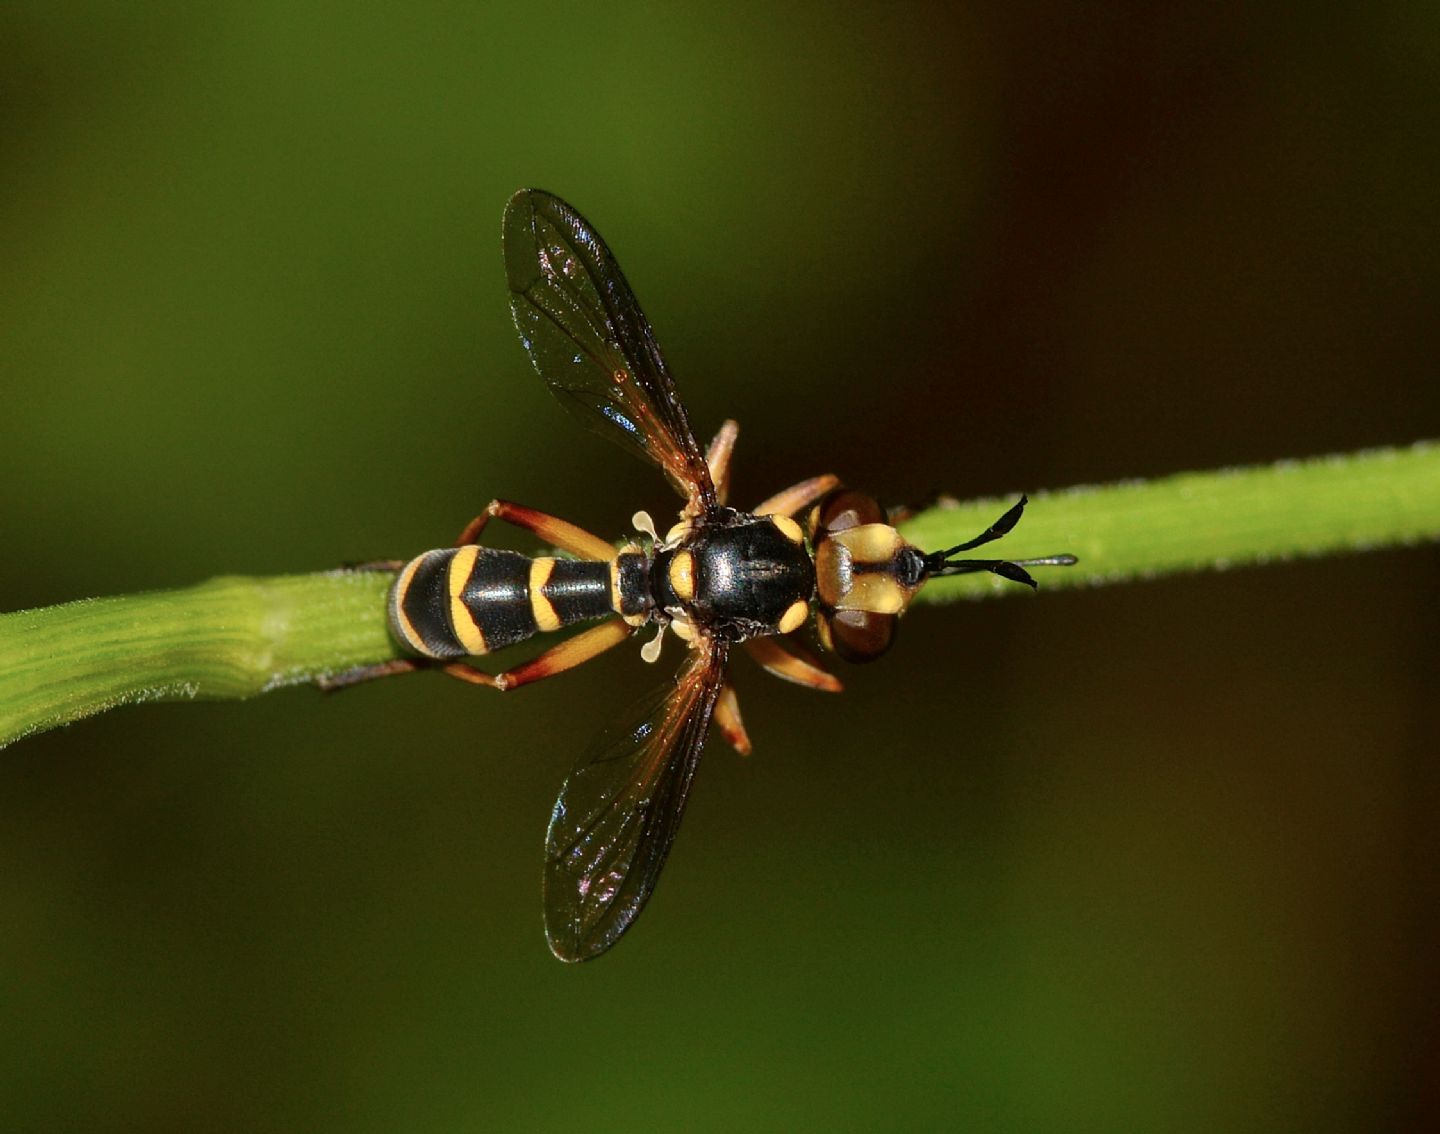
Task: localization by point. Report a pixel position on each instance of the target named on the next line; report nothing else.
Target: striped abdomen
(466, 601)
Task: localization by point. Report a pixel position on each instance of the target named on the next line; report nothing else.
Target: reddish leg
(718, 458)
(557, 532)
(330, 683)
(792, 664)
(727, 720)
(797, 496)
(557, 659)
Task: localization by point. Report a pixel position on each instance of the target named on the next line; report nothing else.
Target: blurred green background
(1161, 857)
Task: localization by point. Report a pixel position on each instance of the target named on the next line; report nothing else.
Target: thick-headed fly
(719, 578)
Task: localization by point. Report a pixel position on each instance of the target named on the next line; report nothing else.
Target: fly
(719, 579)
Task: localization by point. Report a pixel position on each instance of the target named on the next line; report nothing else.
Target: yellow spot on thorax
(682, 576)
(788, 528)
(794, 616)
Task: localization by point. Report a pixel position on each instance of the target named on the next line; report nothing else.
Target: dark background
(1159, 857)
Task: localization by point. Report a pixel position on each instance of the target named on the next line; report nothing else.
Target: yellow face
(866, 568)
(866, 574)
(865, 577)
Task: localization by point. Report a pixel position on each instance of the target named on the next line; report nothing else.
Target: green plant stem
(231, 637)
(235, 637)
(1197, 521)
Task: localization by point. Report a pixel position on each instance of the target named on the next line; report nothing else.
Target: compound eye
(857, 635)
(845, 508)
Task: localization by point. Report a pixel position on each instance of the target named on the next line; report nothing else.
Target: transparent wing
(588, 338)
(618, 812)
